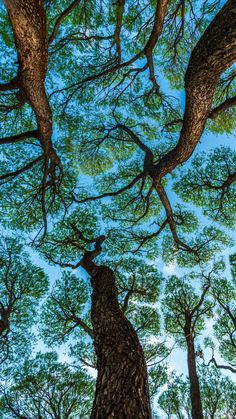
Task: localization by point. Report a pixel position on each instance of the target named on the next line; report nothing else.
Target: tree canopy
(117, 168)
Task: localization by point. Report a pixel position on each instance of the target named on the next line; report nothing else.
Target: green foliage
(22, 284)
(175, 400)
(203, 246)
(64, 308)
(182, 302)
(224, 291)
(99, 157)
(50, 389)
(209, 184)
(217, 392)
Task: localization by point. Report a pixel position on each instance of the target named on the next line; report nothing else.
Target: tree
(174, 401)
(66, 311)
(185, 313)
(218, 395)
(45, 388)
(115, 123)
(225, 321)
(22, 285)
(122, 384)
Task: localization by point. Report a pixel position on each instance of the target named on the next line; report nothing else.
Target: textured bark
(195, 395)
(4, 319)
(122, 383)
(28, 20)
(213, 54)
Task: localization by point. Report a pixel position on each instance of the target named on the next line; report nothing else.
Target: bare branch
(108, 194)
(225, 367)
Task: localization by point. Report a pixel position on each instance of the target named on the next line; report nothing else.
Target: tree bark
(28, 20)
(195, 394)
(122, 383)
(4, 319)
(213, 54)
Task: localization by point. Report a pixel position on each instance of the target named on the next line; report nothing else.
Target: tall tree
(115, 123)
(122, 382)
(185, 313)
(225, 321)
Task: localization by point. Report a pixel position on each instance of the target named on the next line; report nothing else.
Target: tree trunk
(4, 319)
(195, 394)
(122, 383)
(28, 20)
(213, 54)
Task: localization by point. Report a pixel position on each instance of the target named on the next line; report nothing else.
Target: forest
(117, 209)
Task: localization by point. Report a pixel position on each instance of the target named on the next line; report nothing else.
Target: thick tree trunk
(195, 394)
(122, 383)
(28, 20)
(213, 54)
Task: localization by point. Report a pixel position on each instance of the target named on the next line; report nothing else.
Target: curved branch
(147, 50)
(170, 219)
(213, 54)
(135, 138)
(108, 194)
(151, 236)
(225, 367)
(60, 19)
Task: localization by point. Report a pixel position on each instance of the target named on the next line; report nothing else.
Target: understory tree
(46, 388)
(22, 285)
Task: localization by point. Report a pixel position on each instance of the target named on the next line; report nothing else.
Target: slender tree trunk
(122, 383)
(195, 394)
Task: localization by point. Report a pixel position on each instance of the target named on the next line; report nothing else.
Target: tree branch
(11, 85)
(28, 166)
(19, 137)
(213, 54)
(225, 367)
(228, 103)
(108, 194)
(147, 50)
(61, 18)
